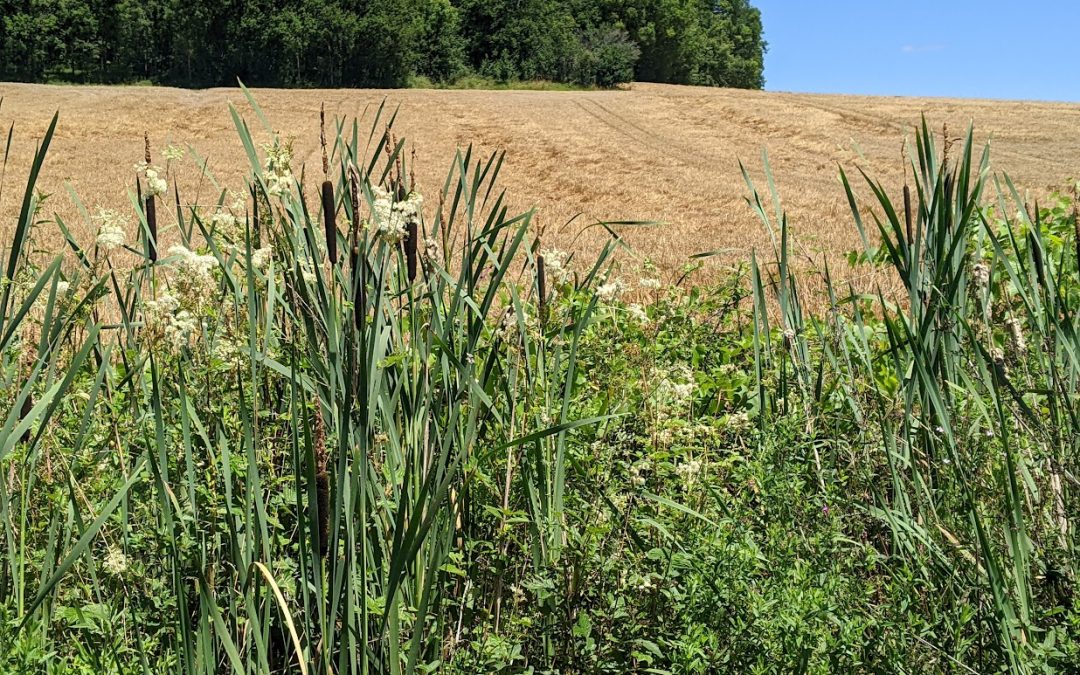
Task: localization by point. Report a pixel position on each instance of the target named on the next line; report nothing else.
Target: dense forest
(386, 43)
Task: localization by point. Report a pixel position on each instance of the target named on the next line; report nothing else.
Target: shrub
(607, 58)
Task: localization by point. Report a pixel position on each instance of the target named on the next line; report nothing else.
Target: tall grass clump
(951, 407)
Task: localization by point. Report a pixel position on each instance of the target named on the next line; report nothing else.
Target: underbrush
(383, 434)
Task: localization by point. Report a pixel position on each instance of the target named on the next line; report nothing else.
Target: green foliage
(381, 43)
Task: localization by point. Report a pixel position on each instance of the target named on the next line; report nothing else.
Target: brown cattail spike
(541, 284)
(146, 147)
(151, 224)
(27, 406)
(410, 249)
(1037, 258)
(329, 221)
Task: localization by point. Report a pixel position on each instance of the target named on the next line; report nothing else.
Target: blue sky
(988, 49)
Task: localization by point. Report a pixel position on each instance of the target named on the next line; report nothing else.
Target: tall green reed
(973, 373)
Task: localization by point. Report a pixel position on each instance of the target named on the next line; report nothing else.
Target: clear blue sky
(990, 49)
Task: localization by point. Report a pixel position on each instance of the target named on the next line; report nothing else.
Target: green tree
(521, 39)
(441, 47)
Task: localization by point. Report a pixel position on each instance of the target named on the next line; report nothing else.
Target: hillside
(656, 152)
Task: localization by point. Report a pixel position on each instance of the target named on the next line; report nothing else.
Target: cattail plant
(411, 242)
(150, 205)
(541, 286)
(329, 220)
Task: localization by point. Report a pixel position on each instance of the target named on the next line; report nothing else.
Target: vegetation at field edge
(378, 433)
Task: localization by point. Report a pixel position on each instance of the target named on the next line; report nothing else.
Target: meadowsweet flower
(391, 218)
(165, 304)
(610, 290)
(1014, 331)
(557, 264)
(261, 257)
(980, 275)
(192, 263)
(638, 313)
(165, 323)
(278, 167)
(689, 471)
(111, 227)
(650, 284)
(116, 563)
(179, 327)
(508, 326)
(62, 287)
(229, 352)
(432, 251)
(638, 471)
(155, 182)
(226, 225)
(739, 421)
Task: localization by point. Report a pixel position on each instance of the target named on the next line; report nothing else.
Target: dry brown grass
(656, 152)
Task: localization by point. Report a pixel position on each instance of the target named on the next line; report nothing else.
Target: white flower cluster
(980, 274)
(278, 167)
(391, 218)
(155, 182)
(689, 471)
(739, 421)
(111, 226)
(261, 257)
(610, 290)
(193, 264)
(227, 226)
(676, 390)
(164, 320)
(638, 472)
(557, 264)
(639, 314)
(195, 279)
(116, 563)
(432, 250)
(1014, 333)
(650, 284)
(229, 352)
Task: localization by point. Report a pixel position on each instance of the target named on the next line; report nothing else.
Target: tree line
(381, 43)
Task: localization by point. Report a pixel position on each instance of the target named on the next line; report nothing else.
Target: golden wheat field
(661, 153)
